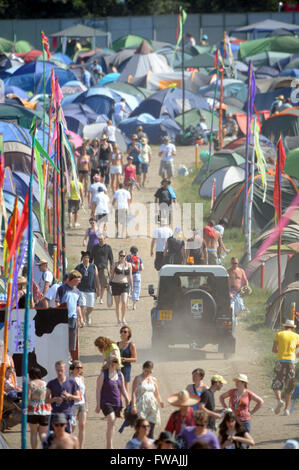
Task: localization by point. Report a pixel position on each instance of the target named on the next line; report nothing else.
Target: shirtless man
(237, 277)
(213, 240)
(61, 438)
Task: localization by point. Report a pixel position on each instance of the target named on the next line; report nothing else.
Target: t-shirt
(86, 78)
(135, 443)
(208, 400)
(69, 386)
(287, 343)
(93, 189)
(177, 422)
(110, 132)
(72, 297)
(161, 234)
(190, 437)
(167, 150)
(240, 406)
(122, 196)
(102, 202)
(146, 150)
(51, 294)
(74, 195)
(46, 276)
(164, 196)
(135, 154)
(119, 109)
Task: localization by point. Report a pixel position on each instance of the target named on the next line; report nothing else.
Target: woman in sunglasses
(80, 407)
(142, 429)
(110, 388)
(199, 432)
(128, 353)
(121, 282)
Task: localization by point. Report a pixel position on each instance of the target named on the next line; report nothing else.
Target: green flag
(182, 16)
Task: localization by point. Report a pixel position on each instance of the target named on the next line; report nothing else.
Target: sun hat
(143, 140)
(241, 378)
(291, 444)
(22, 280)
(280, 97)
(166, 137)
(182, 399)
(129, 157)
(218, 378)
(289, 323)
(134, 137)
(165, 436)
(42, 261)
(139, 128)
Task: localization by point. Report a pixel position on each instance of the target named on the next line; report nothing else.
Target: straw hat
(22, 280)
(42, 261)
(289, 323)
(182, 399)
(241, 377)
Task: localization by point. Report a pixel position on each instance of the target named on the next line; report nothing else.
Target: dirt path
(174, 369)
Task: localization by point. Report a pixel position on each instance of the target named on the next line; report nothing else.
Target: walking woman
(128, 353)
(104, 157)
(198, 386)
(38, 411)
(130, 175)
(239, 400)
(91, 237)
(110, 387)
(121, 282)
(83, 166)
(146, 397)
(89, 285)
(232, 434)
(80, 407)
(115, 167)
(137, 267)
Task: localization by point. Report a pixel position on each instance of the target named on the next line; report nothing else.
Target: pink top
(240, 406)
(129, 173)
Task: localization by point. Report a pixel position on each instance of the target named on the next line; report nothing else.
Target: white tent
(95, 130)
(224, 177)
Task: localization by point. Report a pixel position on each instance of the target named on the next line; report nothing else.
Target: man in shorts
(44, 282)
(102, 255)
(284, 346)
(69, 294)
(167, 152)
(159, 239)
(121, 199)
(74, 203)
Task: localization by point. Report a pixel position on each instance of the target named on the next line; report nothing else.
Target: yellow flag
(260, 159)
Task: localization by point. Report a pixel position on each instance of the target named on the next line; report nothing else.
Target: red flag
(45, 43)
(23, 222)
(14, 221)
(281, 158)
(216, 58)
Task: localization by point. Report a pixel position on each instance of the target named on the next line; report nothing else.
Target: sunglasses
(200, 424)
(122, 256)
(124, 331)
(58, 425)
(78, 367)
(145, 426)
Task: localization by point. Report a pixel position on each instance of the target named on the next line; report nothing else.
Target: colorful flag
(9, 236)
(280, 162)
(182, 16)
(45, 44)
(260, 159)
(23, 223)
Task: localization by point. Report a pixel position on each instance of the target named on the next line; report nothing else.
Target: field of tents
(168, 90)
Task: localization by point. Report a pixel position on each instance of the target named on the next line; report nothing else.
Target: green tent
(22, 47)
(268, 58)
(20, 115)
(196, 50)
(291, 166)
(287, 44)
(205, 60)
(193, 116)
(131, 40)
(218, 160)
(6, 45)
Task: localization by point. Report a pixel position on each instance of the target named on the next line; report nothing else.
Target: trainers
(278, 407)
(88, 320)
(77, 225)
(101, 301)
(286, 413)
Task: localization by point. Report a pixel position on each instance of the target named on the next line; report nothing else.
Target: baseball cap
(218, 378)
(59, 418)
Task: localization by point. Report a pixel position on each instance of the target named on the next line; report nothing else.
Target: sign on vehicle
(196, 308)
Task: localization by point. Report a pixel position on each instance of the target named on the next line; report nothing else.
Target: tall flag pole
(221, 101)
(248, 237)
(216, 66)
(46, 52)
(28, 297)
(182, 16)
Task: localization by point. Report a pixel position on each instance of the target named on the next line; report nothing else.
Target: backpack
(135, 261)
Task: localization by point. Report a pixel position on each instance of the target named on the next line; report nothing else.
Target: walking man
(159, 239)
(207, 400)
(213, 240)
(102, 254)
(284, 346)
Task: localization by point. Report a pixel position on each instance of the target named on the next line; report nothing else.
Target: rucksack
(135, 261)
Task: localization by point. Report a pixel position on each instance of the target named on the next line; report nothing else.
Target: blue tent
(8, 183)
(77, 115)
(9, 200)
(168, 103)
(100, 104)
(110, 77)
(16, 91)
(154, 128)
(14, 133)
(264, 100)
(289, 73)
(21, 182)
(62, 58)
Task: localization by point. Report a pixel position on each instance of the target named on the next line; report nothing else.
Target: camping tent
(220, 159)
(143, 61)
(289, 44)
(285, 123)
(154, 128)
(279, 306)
(168, 103)
(77, 115)
(230, 203)
(130, 40)
(253, 269)
(223, 177)
(91, 131)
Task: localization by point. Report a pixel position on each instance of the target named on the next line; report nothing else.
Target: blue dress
(126, 369)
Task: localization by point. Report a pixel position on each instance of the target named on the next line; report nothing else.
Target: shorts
(119, 288)
(144, 167)
(121, 216)
(103, 277)
(166, 167)
(72, 334)
(212, 257)
(83, 172)
(116, 170)
(159, 260)
(138, 168)
(42, 420)
(284, 374)
(102, 217)
(107, 409)
(89, 299)
(73, 206)
(79, 409)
